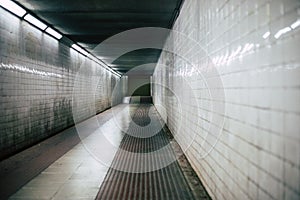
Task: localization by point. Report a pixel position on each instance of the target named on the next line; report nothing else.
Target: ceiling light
(13, 7)
(54, 33)
(78, 48)
(34, 21)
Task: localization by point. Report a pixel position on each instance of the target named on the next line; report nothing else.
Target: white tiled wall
(255, 48)
(37, 76)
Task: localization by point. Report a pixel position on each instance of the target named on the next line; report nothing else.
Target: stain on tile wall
(37, 76)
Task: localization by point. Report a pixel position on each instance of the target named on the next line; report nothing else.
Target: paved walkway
(59, 167)
(129, 167)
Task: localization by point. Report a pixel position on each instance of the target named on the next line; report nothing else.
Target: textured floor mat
(165, 183)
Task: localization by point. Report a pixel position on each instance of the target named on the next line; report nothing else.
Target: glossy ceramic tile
(252, 49)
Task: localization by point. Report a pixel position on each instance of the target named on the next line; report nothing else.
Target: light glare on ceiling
(34, 21)
(13, 7)
(295, 24)
(266, 35)
(54, 33)
(282, 31)
(78, 48)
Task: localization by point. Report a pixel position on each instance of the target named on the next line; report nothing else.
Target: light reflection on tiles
(28, 70)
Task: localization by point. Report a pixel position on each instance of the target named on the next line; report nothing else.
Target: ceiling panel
(90, 22)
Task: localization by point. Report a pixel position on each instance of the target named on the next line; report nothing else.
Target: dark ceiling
(89, 22)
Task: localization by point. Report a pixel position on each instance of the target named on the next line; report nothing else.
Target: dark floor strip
(166, 183)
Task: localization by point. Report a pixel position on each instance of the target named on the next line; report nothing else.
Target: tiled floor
(78, 174)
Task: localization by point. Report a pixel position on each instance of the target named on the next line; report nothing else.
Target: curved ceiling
(89, 22)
